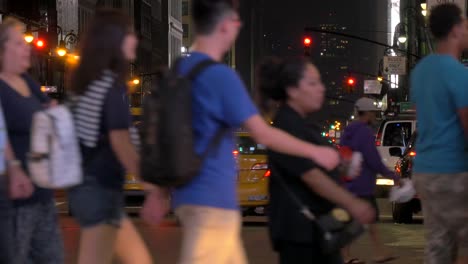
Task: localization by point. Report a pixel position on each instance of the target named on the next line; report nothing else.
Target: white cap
(366, 105)
(404, 193)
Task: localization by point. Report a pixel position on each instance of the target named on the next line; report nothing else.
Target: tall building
(187, 25)
(175, 29)
(249, 47)
(334, 52)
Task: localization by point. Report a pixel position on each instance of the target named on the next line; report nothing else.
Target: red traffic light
(307, 41)
(40, 43)
(351, 81)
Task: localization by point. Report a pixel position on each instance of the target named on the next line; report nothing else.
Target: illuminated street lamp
(402, 39)
(62, 50)
(424, 9)
(136, 81)
(28, 35)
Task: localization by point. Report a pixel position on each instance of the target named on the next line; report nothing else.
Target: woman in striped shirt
(103, 122)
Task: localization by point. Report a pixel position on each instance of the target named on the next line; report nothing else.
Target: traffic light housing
(41, 41)
(307, 43)
(350, 84)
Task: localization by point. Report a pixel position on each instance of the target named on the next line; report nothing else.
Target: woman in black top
(103, 125)
(37, 236)
(296, 85)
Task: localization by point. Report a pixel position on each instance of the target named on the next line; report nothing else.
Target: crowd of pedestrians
(305, 169)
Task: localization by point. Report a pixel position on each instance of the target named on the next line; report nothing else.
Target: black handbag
(337, 227)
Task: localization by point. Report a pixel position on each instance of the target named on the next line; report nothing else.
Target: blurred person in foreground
(360, 137)
(208, 207)
(439, 90)
(103, 125)
(297, 86)
(36, 230)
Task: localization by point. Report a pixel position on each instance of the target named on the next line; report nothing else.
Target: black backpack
(168, 157)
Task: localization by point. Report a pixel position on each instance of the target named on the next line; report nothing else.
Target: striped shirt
(88, 109)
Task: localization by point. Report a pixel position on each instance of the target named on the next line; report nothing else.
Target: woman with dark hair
(296, 85)
(103, 125)
(35, 226)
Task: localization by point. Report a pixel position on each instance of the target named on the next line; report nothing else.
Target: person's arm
(458, 86)
(283, 142)
(371, 155)
(463, 115)
(238, 109)
(322, 185)
(124, 150)
(19, 185)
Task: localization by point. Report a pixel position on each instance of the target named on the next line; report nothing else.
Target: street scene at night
(233, 131)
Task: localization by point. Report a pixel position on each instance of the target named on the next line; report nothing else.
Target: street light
(402, 39)
(136, 81)
(28, 36)
(424, 9)
(62, 50)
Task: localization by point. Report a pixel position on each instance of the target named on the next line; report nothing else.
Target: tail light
(262, 166)
(412, 154)
(378, 140)
(235, 152)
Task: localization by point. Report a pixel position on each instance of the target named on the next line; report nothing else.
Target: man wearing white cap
(360, 138)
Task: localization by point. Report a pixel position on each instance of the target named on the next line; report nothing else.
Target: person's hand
(326, 157)
(397, 181)
(53, 103)
(20, 186)
(156, 206)
(362, 211)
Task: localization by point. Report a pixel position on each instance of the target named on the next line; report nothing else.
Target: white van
(393, 132)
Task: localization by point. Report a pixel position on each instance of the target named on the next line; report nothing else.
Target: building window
(146, 20)
(186, 30)
(185, 8)
(84, 16)
(158, 10)
(176, 9)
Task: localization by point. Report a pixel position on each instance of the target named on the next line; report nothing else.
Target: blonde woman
(37, 236)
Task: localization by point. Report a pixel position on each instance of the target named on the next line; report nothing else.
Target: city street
(404, 241)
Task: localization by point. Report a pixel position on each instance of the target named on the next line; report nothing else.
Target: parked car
(403, 212)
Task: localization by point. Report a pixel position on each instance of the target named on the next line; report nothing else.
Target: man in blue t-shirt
(439, 88)
(207, 207)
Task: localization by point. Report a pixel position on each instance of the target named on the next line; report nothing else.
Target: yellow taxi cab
(252, 177)
(133, 189)
(253, 174)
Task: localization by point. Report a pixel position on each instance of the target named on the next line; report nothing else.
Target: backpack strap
(191, 75)
(215, 141)
(199, 68)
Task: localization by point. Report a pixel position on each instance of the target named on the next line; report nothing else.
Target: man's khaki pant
(210, 236)
(444, 200)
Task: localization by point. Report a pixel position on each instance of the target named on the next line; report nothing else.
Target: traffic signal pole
(319, 30)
